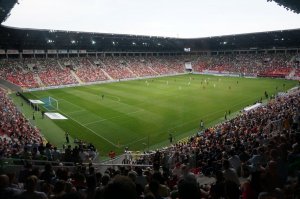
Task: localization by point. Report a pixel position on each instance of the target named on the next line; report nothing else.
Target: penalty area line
(77, 111)
(115, 145)
(86, 126)
(89, 123)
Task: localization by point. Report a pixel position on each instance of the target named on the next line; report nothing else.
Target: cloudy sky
(170, 18)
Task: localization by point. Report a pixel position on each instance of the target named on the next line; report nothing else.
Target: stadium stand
(87, 71)
(23, 72)
(116, 67)
(140, 67)
(53, 72)
(34, 73)
(16, 131)
(168, 64)
(13, 71)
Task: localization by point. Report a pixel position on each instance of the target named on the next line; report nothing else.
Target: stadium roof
(12, 38)
(293, 5)
(17, 38)
(5, 8)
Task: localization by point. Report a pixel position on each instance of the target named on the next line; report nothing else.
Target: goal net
(50, 103)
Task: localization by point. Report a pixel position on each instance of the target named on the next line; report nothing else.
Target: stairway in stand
(38, 80)
(107, 75)
(76, 77)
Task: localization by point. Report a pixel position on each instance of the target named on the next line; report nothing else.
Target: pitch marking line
(92, 131)
(46, 108)
(89, 123)
(80, 108)
(87, 127)
(76, 111)
(114, 97)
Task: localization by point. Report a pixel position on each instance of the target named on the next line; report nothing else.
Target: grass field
(141, 113)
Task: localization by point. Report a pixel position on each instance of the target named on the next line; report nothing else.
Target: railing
(14, 164)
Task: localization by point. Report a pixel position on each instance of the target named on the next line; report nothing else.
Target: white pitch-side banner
(55, 116)
(36, 101)
(2, 52)
(248, 108)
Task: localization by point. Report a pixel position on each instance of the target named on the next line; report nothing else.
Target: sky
(166, 18)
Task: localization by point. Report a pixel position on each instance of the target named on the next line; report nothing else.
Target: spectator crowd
(39, 72)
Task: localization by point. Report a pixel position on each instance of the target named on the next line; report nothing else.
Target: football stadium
(117, 112)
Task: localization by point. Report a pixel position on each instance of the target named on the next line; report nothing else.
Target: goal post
(53, 102)
(50, 103)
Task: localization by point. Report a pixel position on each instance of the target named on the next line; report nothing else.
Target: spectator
(230, 174)
(30, 189)
(188, 190)
(5, 190)
(120, 187)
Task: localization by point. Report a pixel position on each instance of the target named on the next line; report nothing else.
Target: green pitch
(141, 113)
